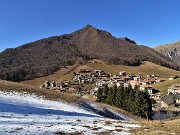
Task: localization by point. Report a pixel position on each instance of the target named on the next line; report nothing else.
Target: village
(98, 79)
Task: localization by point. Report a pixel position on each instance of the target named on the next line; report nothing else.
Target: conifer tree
(133, 100)
(119, 95)
(114, 95)
(106, 90)
(99, 95)
(109, 99)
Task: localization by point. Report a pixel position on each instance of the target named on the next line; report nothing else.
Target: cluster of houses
(172, 99)
(52, 85)
(173, 96)
(99, 78)
(133, 80)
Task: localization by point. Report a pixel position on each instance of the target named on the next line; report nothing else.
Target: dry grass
(165, 127)
(163, 86)
(123, 112)
(66, 73)
(145, 69)
(51, 95)
(61, 75)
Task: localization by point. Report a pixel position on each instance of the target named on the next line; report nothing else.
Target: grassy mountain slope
(67, 73)
(45, 56)
(145, 68)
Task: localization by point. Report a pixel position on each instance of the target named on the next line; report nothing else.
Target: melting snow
(22, 114)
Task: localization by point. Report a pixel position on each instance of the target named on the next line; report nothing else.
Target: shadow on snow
(23, 109)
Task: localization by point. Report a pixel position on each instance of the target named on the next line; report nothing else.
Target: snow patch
(21, 113)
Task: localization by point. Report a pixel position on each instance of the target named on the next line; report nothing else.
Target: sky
(147, 22)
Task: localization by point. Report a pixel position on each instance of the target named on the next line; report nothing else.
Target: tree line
(132, 100)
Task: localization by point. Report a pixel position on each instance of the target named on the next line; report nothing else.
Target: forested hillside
(45, 56)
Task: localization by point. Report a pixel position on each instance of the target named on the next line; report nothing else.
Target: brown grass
(61, 75)
(108, 122)
(164, 127)
(123, 112)
(51, 95)
(145, 69)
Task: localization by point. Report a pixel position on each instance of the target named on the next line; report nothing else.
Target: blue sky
(148, 22)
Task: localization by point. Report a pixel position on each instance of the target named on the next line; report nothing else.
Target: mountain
(45, 56)
(170, 50)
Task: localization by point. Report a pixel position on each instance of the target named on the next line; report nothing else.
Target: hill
(146, 68)
(27, 113)
(163, 86)
(171, 50)
(45, 56)
(6, 86)
(22, 112)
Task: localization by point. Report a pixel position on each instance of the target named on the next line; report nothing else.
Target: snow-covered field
(29, 115)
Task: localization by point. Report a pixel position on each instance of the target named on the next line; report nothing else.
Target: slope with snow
(22, 114)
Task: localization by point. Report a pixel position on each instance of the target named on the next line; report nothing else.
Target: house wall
(173, 91)
(163, 104)
(178, 101)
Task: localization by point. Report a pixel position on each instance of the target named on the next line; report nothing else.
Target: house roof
(177, 96)
(173, 76)
(145, 86)
(174, 86)
(169, 99)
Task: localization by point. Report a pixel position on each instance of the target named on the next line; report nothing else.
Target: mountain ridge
(45, 56)
(171, 50)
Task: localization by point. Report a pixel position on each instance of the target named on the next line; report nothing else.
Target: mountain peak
(46, 56)
(88, 27)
